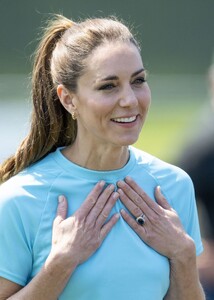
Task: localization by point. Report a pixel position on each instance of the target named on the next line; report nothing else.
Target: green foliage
(176, 36)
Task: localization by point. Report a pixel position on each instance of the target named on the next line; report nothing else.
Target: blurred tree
(177, 35)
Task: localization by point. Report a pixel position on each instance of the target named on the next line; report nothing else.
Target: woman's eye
(108, 86)
(139, 80)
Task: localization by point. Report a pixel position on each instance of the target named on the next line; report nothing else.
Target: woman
(91, 99)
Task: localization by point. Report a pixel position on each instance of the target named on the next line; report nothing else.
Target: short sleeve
(183, 201)
(20, 213)
(192, 221)
(15, 254)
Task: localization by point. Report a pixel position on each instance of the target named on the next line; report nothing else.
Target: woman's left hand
(162, 229)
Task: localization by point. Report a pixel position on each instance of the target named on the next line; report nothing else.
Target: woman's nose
(128, 98)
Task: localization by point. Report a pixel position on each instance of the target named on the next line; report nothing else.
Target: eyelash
(110, 86)
(107, 86)
(140, 80)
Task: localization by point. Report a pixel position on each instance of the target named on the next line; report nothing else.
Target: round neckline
(76, 170)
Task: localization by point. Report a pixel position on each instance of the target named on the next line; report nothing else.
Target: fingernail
(117, 216)
(116, 195)
(102, 183)
(159, 189)
(120, 191)
(60, 199)
(128, 178)
(111, 186)
(120, 183)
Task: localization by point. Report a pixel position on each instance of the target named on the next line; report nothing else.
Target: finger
(128, 194)
(161, 199)
(129, 191)
(140, 230)
(150, 202)
(107, 209)
(130, 205)
(108, 226)
(101, 201)
(91, 199)
(61, 209)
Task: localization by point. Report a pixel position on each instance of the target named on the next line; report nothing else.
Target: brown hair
(59, 59)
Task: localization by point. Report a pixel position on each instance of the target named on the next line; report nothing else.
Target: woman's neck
(101, 158)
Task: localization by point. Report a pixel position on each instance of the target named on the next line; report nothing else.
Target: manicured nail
(159, 189)
(61, 199)
(111, 186)
(116, 195)
(128, 178)
(120, 183)
(120, 191)
(102, 183)
(117, 216)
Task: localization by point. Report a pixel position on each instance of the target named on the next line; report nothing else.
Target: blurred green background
(177, 44)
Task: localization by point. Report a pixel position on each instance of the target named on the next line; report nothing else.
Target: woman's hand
(74, 239)
(77, 237)
(162, 229)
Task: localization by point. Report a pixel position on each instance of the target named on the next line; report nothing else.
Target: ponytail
(51, 125)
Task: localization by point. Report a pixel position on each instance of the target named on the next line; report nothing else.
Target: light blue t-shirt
(124, 267)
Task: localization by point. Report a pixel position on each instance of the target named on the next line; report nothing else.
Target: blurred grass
(176, 103)
(165, 132)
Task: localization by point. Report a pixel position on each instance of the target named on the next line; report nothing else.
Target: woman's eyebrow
(114, 77)
(138, 72)
(110, 77)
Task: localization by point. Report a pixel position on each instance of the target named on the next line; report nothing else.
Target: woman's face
(112, 97)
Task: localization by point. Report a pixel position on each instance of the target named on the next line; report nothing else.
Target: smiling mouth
(125, 120)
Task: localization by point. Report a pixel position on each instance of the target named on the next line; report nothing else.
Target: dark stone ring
(141, 220)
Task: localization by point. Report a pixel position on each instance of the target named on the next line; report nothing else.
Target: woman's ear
(67, 98)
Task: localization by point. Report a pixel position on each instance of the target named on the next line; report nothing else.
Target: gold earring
(73, 115)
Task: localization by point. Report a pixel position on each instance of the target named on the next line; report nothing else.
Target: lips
(124, 120)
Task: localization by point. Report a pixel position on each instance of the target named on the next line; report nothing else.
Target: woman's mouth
(124, 120)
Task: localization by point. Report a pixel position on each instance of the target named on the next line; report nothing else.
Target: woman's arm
(206, 264)
(47, 284)
(74, 240)
(184, 279)
(163, 232)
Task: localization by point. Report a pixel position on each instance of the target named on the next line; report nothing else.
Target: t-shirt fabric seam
(44, 208)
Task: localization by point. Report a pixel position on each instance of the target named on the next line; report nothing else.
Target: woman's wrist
(184, 279)
(57, 263)
(186, 253)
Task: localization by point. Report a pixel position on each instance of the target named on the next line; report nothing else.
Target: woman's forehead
(109, 59)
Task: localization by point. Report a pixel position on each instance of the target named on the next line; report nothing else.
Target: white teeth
(125, 120)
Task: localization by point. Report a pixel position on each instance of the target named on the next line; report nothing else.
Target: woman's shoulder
(30, 183)
(23, 197)
(158, 168)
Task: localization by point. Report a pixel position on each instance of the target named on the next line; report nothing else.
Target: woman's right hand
(74, 240)
(77, 237)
